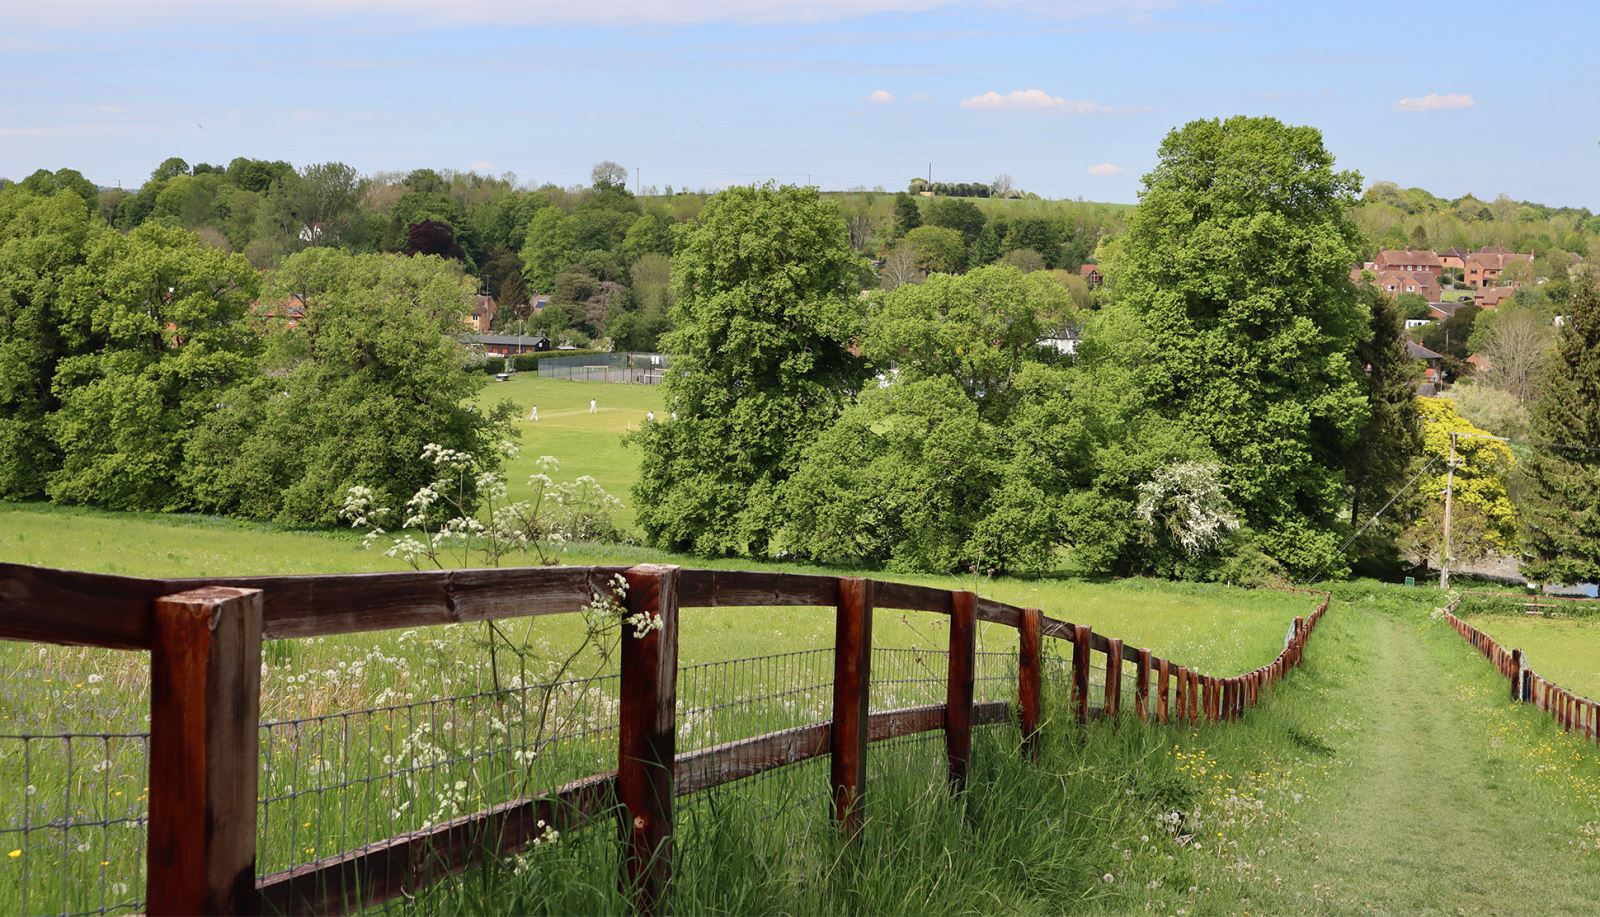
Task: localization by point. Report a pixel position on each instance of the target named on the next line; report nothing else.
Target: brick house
(1453, 258)
(1484, 266)
(1492, 297)
(290, 310)
(1410, 260)
(1423, 283)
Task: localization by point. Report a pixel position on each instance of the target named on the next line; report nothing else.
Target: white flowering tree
(1185, 506)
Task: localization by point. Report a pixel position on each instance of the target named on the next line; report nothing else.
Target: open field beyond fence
(343, 798)
(1528, 679)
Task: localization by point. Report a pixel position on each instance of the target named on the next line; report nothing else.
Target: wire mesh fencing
(637, 368)
(73, 822)
(74, 818)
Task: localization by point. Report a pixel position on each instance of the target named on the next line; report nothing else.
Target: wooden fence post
(1164, 673)
(1028, 679)
(958, 688)
(647, 733)
(1141, 685)
(1180, 694)
(1516, 674)
(1194, 697)
(852, 682)
(205, 705)
(1113, 678)
(1299, 638)
(1082, 634)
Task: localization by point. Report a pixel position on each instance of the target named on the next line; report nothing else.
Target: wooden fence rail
(204, 637)
(1572, 711)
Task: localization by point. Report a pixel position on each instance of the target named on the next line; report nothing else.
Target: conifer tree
(1378, 464)
(1561, 517)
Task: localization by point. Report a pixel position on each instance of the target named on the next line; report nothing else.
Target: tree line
(1235, 409)
(858, 376)
(149, 370)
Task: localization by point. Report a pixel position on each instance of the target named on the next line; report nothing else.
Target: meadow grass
(1388, 775)
(583, 443)
(1563, 650)
(453, 733)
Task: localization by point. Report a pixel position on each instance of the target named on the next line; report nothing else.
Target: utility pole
(635, 181)
(1449, 499)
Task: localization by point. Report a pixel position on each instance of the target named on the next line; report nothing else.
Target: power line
(1375, 516)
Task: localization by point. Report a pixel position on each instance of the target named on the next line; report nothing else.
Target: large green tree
(926, 471)
(955, 213)
(165, 338)
(1236, 265)
(767, 304)
(349, 395)
(1561, 512)
(975, 329)
(907, 215)
(902, 479)
(44, 242)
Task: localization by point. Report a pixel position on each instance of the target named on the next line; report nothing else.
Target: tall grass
(1104, 804)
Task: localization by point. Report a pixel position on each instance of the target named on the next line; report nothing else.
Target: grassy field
(584, 443)
(1393, 753)
(1389, 775)
(1566, 651)
(373, 734)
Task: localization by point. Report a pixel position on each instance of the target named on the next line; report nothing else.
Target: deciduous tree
(350, 395)
(165, 319)
(1236, 267)
(767, 305)
(44, 244)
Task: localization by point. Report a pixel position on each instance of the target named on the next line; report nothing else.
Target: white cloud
(482, 165)
(1433, 101)
(1038, 100)
(1105, 168)
(880, 96)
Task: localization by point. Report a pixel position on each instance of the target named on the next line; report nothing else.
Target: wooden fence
(1572, 711)
(204, 639)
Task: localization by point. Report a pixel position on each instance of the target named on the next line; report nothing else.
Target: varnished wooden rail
(205, 636)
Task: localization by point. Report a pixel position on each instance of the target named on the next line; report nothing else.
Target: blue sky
(1071, 98)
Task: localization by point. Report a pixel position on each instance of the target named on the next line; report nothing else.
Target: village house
(1492, 297)
(290, 310)
(1423, 283)
(1091, 275)
(505, 345)
(1453, 258)
(1410, 260)
(1484, 266)
(484, 310)
(1432, 368)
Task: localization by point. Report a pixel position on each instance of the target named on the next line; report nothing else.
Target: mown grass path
(1442, 797)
